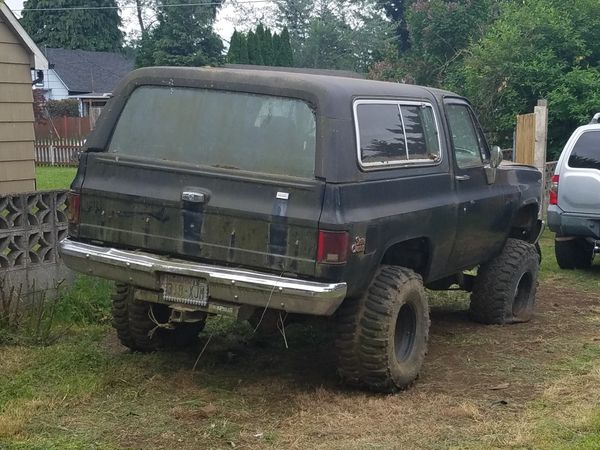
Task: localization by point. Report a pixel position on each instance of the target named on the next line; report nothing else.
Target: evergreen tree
(267, 48)
(243, 49)
(286, 58)
(233, 54)
(184, 36)
(276, 50)
(84, 29)
(396, 11)
(144, 55)
(260, 37)
(254, 52)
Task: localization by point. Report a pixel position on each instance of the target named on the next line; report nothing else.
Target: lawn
(49, 178)
(524, 386)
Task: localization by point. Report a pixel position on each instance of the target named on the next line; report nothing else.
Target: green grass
(83, 391)
(47, 319)
(583, 280)
(50, 178)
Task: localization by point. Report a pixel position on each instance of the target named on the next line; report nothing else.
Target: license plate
(182, 289)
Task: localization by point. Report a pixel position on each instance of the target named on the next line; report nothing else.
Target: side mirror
(496, 156)
(495, 160)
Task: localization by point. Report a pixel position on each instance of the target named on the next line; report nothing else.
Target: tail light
(73, 209)
(553, 198)
(332, 247)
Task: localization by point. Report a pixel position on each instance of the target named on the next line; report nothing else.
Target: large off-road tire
(136, 329)
(382, 336)
(505, 287)
(573, 253)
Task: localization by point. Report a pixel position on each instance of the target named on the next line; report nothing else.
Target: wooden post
(541, 137)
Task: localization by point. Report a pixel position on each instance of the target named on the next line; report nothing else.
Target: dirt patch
(251, 392)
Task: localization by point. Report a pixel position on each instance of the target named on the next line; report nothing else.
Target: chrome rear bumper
(230, 285)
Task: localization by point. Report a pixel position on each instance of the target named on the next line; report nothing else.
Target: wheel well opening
(523, 223)
(413, 254)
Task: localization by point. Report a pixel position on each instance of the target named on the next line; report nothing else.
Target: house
(90, 77)
(18, 56)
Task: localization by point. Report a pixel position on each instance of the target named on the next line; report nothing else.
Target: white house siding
(56, 90)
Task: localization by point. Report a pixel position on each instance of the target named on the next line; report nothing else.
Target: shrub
(59, 108)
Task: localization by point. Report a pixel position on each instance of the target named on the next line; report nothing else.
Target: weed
(39, 319)
(87, 301)
(30, 316)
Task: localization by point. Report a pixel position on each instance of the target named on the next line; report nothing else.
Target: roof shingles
(89, 72)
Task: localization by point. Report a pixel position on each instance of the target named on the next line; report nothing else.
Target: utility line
(176, 5)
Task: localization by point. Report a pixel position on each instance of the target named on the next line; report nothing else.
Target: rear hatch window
(586, 152)
(230, 130)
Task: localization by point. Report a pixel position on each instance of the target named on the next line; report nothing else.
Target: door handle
(462, 177)
(194, 196)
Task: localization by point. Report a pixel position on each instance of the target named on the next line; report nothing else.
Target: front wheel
(382, 336)
(505, 287)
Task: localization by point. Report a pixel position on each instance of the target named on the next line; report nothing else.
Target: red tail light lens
(553, 197)
(332, 247)
(73, 208)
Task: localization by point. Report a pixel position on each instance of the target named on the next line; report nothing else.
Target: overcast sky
(226, 20)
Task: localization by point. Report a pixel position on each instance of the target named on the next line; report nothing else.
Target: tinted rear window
(232, 130)
(396, 133)
(586, 153)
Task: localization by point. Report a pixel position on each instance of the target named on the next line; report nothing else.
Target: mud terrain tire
(505, 287)
(382, 336)
(573, 254)
(137, 331)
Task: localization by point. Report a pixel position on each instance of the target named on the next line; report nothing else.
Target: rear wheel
(574, 253)
(382, 336)
(505, 287)
(145, 326)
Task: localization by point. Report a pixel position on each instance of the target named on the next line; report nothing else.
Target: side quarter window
(467, 142)
(396, 133)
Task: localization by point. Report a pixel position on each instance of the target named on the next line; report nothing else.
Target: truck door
(482, 220)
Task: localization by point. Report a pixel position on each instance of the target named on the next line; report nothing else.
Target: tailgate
(207, 215)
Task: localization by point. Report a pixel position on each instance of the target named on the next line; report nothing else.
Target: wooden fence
(63, 127)
(58, 152)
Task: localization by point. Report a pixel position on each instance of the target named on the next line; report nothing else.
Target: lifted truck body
(261, 239)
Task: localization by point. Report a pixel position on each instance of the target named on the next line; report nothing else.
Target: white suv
(574, 210)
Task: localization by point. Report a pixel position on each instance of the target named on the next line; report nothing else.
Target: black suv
(258, 193)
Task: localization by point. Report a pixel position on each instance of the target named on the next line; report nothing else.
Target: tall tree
(84, 29)
(183, 36)
(295, 15)
(335, 34)
(276, 49)
(440, 32)
(327, 45)
(235, 47)
(537, 49)
(243, 50)
(396, 11)
(286, 57)
(145, 12)
(254, 51)
(267, 48)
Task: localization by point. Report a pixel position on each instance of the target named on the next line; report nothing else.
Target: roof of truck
(331, 97)
(332, 94)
